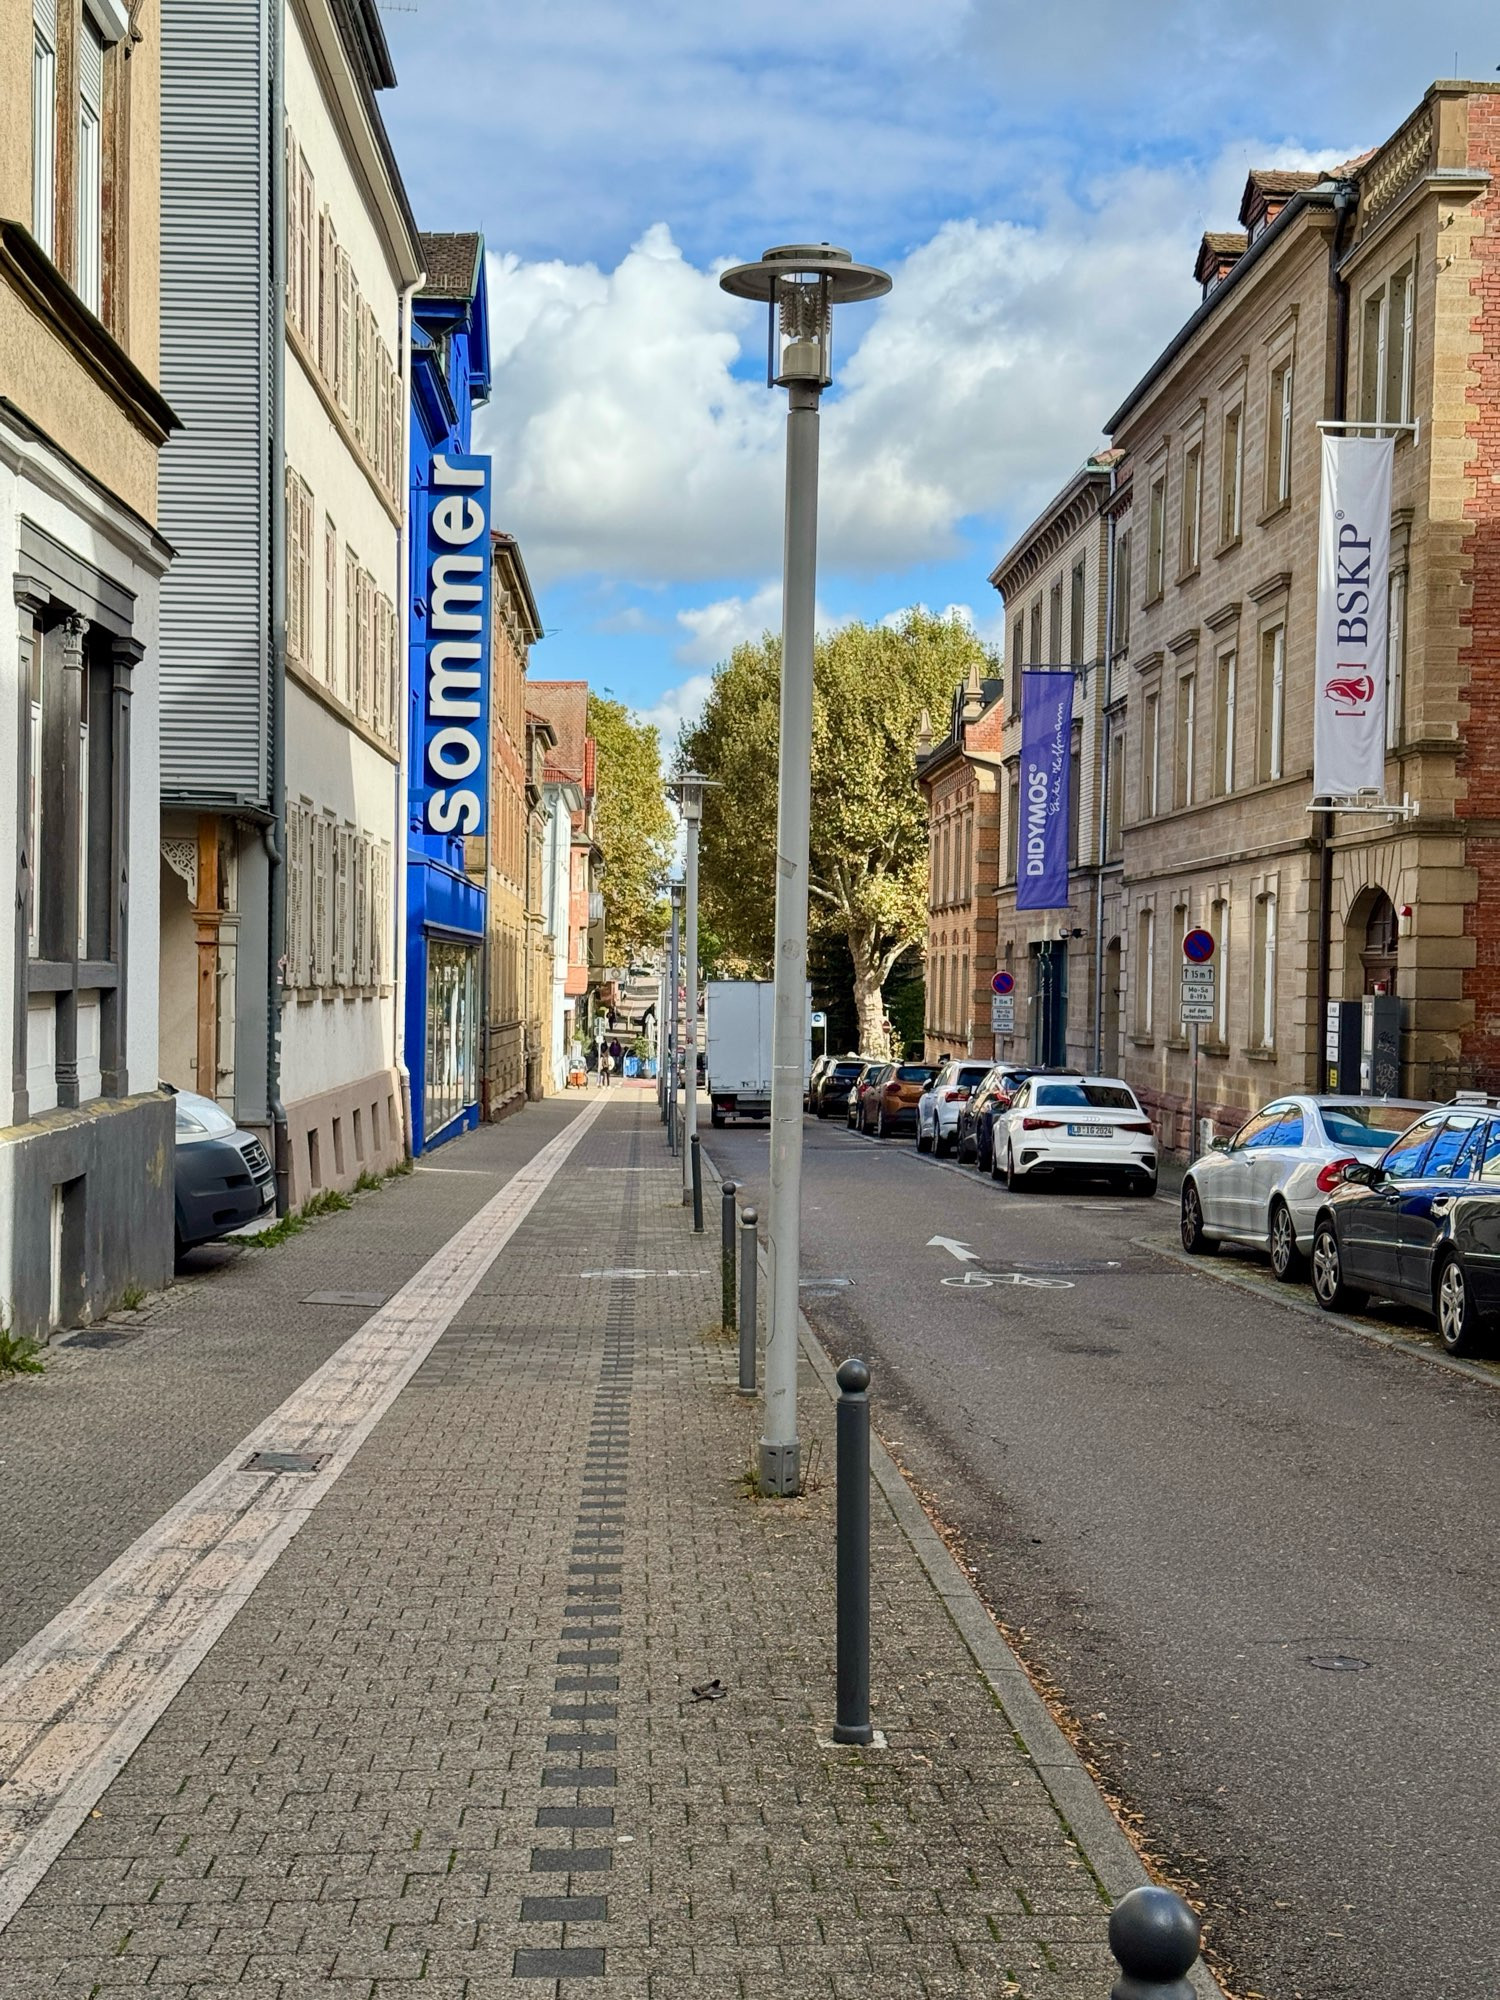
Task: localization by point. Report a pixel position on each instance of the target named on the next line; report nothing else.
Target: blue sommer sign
(1046, 772)
(454, 669)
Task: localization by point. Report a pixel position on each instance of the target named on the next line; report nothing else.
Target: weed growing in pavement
(132, 1297)
(19, 1354)
(368, 1183)
(750, 1484)
(403, 1166)
(291, 1224)
(327, 1201)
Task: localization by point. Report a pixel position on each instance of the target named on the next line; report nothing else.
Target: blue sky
(1036, 180)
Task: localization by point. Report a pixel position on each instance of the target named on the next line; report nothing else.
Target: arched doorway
(1370, 944)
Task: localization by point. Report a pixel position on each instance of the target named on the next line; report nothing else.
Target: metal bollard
(852, 1715)
(695, 1161)
(726, 1254)
(749, 1269)
(1155, 1937)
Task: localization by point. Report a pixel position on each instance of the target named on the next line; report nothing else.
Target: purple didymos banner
(1046, 774)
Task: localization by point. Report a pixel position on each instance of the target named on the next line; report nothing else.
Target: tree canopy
(869, 824)
(633, 827)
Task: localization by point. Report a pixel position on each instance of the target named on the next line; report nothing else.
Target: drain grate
(286, 1461)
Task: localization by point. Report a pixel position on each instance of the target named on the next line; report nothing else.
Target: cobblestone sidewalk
(451, 1746)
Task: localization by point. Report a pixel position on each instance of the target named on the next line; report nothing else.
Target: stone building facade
(1055, 583)
(86, 1138)
(515, 630)
(959, 777)
(1373, 288)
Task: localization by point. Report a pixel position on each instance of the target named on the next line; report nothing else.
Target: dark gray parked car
(222, 1177)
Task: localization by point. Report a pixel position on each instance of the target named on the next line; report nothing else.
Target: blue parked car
(1421, 1225)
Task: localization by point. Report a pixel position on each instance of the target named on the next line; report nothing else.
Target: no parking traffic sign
(1003, 983)
(1198, 946)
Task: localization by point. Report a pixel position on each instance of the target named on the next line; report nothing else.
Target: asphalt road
(1255, 1557)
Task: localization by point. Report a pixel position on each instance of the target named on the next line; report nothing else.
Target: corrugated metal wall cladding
(216, 372)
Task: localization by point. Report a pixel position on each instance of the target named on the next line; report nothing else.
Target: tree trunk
(869, 1000)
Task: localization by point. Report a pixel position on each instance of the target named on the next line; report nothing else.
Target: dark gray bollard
(696, 1163)
(749, 1270)
(1155, 1936)
(726, 1253)
(852, 1715)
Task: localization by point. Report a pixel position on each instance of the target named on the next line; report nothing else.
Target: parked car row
(1399, 1199)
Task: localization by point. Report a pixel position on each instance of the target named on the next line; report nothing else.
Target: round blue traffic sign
(1198, 947)
(1003, 982)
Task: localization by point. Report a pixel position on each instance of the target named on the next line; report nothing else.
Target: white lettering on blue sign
(456, 583)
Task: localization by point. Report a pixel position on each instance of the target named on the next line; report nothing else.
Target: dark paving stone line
(590, 1632)
(603, 1739)
(562, 1962)
(576, 1683)
(589, 1777)
(584, 1711)
(564, 1909)
(606, 1657)
(575, 1815)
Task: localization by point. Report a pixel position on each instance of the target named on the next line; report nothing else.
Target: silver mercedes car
(1264, 1186)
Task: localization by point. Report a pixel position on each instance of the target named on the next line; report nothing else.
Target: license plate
(1091, 1131)
(268, 1197)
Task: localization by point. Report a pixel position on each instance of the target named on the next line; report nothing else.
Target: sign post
(1002, 1005)
(1198, 981)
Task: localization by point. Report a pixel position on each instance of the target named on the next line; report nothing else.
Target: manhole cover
(1337, 1663)
(286, 1461)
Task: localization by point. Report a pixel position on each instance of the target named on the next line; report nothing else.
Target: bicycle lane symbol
(982, 1280)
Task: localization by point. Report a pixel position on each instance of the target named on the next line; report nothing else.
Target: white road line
(76, 1700)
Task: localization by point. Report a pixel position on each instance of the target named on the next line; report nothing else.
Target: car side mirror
(1364, 1174)
(1218, 1145)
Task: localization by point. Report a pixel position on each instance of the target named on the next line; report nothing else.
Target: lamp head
(801, 283)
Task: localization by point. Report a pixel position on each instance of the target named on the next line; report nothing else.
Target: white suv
(940, 1103)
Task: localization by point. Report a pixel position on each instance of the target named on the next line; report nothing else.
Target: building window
(1055, 623)
(1187, 734)
(1385, 380)
(1150, 754)
(88, 271)
(1263, 974)
(1192, 508)
(299, 571)
(1218, 924)
(1034, 650)
(303, 273)
(1121, 636)
(1156, 549)
(1231, 478)
(43, 121)
(32, 667)
(1224, 690)
(1114, 791)
(1279, 437)
(1075, 798)
(1272, 702)
(1076, 613)
(330, 602)
(1145, 972)
(1395, 660)
(1012, 825)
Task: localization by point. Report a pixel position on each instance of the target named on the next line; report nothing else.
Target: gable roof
(452, 261)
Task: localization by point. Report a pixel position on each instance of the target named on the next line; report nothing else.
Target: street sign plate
(1197, 976)
(819, 1019)
(1002, 1014)
(1198, 947)
(1197, 1010)
(1003, 983)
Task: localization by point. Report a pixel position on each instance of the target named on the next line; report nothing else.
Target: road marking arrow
(954, 1248)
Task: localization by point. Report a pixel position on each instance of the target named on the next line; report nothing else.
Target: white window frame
(1219, 925)
(1395, 659)
(88, 276)
(44, 123)
(1283, 421)
(1226, 678)
(1232, 477)
(1145, 997)
(1187, 735)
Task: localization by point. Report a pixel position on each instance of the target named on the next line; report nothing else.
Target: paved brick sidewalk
(450, 1747)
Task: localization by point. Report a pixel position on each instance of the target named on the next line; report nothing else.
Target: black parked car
(1421, 1226)
(831, 1085)
(222, 1176)
(976, 1119)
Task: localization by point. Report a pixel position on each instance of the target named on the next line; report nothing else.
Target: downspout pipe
(1106, 671)
(273, 835)
(1345, 203)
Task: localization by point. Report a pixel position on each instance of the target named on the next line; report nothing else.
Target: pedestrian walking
(606, 1068)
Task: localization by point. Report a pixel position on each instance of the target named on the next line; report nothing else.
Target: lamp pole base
(781, 1469)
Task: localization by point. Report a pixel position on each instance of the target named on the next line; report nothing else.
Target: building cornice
(1080, 501)
(39, 284)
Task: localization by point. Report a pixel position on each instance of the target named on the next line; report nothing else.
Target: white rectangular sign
(1002, 1013)
(1197, 1009)
(1197, 975)
(1354, 551)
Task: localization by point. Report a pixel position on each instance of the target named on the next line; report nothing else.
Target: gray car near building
(222, 1178)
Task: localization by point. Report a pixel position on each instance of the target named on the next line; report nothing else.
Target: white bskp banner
(1354, 559)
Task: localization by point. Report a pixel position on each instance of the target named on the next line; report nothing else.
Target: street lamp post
(674, 974)
(688, 788)
(800, 284)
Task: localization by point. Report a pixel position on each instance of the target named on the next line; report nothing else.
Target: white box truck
(738, 1015)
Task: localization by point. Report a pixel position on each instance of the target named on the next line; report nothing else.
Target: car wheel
(924, 1143)
(1194, 1241)
(822, 1110)
(941, 1147)
(1014, 1182)
(716, 1119)
(1286, 1258)
(880, 1132)
(966, 1151)
(1329, 1289)
(1459, 1326)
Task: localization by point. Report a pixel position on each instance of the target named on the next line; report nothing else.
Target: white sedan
(1077, 1124)
(940, 1103)
(1265, 1185)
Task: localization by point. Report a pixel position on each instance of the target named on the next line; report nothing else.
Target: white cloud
(678, 708)
(714, 630)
